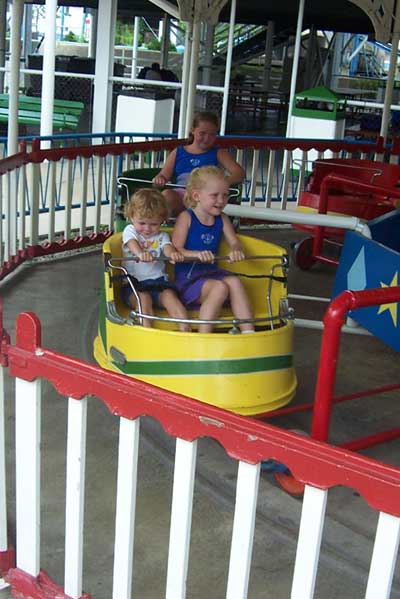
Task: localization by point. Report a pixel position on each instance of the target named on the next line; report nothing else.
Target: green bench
(66, 114)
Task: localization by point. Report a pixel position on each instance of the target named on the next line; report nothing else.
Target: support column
(185, 80)
(310, 56)
(165, 42)
(102, 102)
(135, 47)
(391, 75)
(3, 27)
(15, 56)
(27, 45)
(269, 44)
(48, 77)
(93, 33)
(295, 67)
(194, 61)
(208, 53)
(228, 67)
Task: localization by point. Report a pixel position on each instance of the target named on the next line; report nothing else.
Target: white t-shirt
(154, 244)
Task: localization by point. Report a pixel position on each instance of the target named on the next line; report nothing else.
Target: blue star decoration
(368, 264)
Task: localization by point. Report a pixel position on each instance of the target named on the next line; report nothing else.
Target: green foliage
(124, 33)
(70, 37)
(153, 45)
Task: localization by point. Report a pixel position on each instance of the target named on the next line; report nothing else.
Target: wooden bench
(66, 113)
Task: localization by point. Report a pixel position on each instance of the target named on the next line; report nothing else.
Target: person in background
(201, 151)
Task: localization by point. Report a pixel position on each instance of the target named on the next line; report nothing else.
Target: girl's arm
(167, 170)
(172, 253)
(136, 250)
(226, 160)
(179, 236)
(236, 251)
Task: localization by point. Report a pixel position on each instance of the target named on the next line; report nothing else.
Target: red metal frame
(41, 587)
(339, 182)
(324, 399)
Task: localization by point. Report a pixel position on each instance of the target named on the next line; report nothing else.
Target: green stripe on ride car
(207, 367)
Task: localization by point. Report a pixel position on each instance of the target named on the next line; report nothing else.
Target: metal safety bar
(138, 314)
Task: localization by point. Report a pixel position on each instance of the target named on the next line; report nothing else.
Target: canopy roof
(340, 15)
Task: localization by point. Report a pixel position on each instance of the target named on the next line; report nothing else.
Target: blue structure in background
(373, 264)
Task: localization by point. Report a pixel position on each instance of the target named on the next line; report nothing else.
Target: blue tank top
(202, 238)
(185, 162)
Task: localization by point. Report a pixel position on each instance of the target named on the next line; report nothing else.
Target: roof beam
(168, 7)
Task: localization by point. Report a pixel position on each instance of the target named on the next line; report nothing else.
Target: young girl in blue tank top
(201, 151)
(197, 234)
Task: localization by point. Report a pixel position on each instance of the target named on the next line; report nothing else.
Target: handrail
(310, 461)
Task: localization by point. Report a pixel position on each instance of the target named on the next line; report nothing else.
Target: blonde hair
(147, 203)
(198, 179)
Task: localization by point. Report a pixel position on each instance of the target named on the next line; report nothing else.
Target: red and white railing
(68, 193)
(317, 465)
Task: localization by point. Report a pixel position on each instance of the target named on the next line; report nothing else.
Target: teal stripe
(192, 367)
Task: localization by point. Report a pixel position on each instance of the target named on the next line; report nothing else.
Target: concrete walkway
(64, 294)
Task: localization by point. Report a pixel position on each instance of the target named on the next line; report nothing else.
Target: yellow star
(391, 307)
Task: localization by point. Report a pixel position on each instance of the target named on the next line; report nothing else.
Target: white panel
(384, 557)
(243, 530)
(27, 450)
(107, 11)
(126, 506)
(75, 495)
(309, 543)
(181, 518)
(144, 115)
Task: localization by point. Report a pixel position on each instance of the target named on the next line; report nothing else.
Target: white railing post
(384, 557)
(287, 159)
(34, 178)
(22, 208)
(84, 195)
(270, 178)
(27, 449)
(52, 200)
(309, 543)
(254, 173)
(13, 212)
(181, 518)
(68, 201)
(75, 496)
(99, 192)
(113, 189)
(126, 507)
(243, 530)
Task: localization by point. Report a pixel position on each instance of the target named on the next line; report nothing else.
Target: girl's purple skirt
(190, 289)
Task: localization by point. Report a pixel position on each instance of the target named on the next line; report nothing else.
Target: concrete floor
(64, 294)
